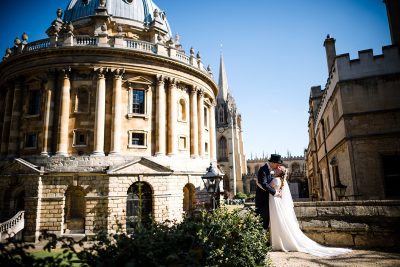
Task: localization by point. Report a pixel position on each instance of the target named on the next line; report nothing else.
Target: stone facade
(106, 114)
(354, 129)
(230, 148)
(297, 178)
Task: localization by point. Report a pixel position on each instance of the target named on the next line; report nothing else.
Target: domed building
(106, 120)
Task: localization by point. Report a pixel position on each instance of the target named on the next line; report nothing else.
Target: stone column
(6, 122)
(64, 115)
(48, 114)
(117, 113)
(161, 117)
(200, 112)
(194, 132)
(13, 142)
(172, 119)
(213, 145)
(100, 114)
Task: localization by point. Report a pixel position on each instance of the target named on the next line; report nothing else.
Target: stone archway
(189, 197)
(139, 206)
(75, 210)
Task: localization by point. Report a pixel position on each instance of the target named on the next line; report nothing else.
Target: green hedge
(217, 238)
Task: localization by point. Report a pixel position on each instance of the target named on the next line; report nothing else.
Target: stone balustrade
(13, 226)
(93, 41)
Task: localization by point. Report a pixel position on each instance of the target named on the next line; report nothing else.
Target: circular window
(128, 1)
(85, 2)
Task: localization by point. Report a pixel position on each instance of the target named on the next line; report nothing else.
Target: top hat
(275, 158)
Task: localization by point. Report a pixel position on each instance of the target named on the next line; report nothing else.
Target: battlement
(367, 64)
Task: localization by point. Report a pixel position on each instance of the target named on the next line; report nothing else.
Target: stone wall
(372, 223)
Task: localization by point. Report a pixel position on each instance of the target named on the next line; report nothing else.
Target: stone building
(297, 179)
(107, 119)
(230, 151)
(354, 122)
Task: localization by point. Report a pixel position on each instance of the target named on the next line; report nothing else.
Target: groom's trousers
(262, 206)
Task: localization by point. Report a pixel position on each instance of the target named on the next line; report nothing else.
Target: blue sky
(273, 51)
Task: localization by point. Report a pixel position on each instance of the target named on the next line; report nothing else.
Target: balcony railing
(40, 44)
(94, 41)
(140, 45)
(85, 40)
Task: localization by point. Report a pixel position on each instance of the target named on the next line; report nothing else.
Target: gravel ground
(361, 258)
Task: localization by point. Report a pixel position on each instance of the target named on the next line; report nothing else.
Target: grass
(55, 253)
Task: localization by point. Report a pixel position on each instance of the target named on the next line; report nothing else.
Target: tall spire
(223, 81)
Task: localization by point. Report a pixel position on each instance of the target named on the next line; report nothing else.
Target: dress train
(286, 234)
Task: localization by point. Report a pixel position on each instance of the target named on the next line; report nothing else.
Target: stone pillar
(200, 112)
(172, 119)
(213, 145)
(64, 115)
(161, 117)
(194, 132)
(13, 142)
(100, 114)
(6, 122)
(117, 113)
(48, 114)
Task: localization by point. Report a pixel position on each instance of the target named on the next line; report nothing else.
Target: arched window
(82, 100)
(222, 151)
(75, 207)
(182, 110)
(139, 206)
(189, 197)
(221, 115)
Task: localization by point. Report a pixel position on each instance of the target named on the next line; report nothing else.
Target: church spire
(223, 81)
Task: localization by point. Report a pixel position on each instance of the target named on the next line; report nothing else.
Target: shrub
(217, 238)
(241, 195)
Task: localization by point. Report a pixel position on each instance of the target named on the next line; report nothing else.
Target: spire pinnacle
(223, 80)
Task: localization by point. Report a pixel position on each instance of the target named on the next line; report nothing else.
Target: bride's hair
(283, 176)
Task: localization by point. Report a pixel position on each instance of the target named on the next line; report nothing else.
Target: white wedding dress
(286, 234)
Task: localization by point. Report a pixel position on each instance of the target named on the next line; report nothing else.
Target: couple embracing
(274, 204)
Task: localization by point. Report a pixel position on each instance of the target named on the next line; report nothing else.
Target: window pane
(31, 140)
(138, 101)
(138, 139)
(34, 102)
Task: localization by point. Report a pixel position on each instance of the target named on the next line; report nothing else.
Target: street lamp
(211, 180)
(340, 189)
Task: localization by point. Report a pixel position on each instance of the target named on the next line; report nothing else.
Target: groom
(264, 178)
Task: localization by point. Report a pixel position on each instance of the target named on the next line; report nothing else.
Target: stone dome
(134, 10)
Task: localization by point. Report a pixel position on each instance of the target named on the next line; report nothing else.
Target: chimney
(393, 13)
(330, 49)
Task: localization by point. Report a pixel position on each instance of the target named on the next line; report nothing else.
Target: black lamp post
(211, 181)
(340, 189)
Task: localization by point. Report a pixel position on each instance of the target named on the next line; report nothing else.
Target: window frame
(83, 131)
(26, 140)
(39, 100)
(131, 89)
(186, 143)
(130, 139)
(76, 102)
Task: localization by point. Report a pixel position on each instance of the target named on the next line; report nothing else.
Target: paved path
(359, 258)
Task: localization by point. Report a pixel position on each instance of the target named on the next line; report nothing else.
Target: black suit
(264, 178)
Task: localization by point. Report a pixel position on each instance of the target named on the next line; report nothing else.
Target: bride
(285, 231)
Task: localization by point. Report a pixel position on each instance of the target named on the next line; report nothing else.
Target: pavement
(358, 258)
